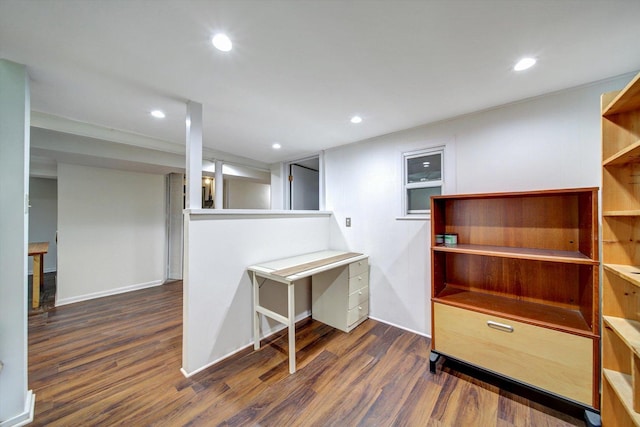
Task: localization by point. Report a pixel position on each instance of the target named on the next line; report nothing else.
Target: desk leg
(292, 329)
(256, 315)
(37, 279)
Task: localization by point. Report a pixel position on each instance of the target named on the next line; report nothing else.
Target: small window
(423, 178)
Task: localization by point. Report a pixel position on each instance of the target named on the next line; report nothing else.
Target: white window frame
(426, 213)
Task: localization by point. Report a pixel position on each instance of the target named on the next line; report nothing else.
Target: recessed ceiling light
(524, 63)
(356, 119)
(222, 42)
(276, 146)
(158, 114)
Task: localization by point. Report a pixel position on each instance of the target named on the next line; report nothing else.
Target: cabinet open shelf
(627, 330)
(530, 261)
(623, 388)
(626, 212)
(560, 318)
(629, 154)
(620, 126)
(630, 273)
(550, 255)
(627, 100)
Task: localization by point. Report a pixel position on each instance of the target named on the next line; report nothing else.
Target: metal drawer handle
(499, 326)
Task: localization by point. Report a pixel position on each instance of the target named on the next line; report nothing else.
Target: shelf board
(627, 212)
(627, 100)
(630, 154)
(630, 273)
(558, 318)
(628, 330)
(621, 384)
(550, 255)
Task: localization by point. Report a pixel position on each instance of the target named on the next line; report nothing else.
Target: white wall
(217, 290)
(542, 143)
(244, 194)
(175, 206)
(111, 232)
(43, 219)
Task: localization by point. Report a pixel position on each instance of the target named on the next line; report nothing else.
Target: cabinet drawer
(359, 267)
(555, 361)
(358, 282)
(357, 313)
(359, 297)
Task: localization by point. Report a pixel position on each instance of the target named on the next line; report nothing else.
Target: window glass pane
(419, 199)
(424, 168)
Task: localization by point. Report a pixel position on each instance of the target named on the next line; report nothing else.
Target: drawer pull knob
(499, 326)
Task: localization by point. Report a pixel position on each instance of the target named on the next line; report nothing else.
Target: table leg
(256, 315)
(37, 280)
(292, 329)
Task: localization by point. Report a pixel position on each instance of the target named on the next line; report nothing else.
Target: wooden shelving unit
(518, 295)
(621, 256)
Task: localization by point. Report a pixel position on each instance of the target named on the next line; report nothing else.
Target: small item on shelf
(450, 239)
(439, 239)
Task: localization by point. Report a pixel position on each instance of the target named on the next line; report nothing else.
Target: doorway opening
(304, 184)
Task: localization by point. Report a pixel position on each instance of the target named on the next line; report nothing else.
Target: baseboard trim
(299, 317)
(25, 417)
(400, 327)
(94, 295)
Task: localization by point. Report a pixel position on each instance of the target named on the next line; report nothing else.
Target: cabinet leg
(433, 359)
(592, 419)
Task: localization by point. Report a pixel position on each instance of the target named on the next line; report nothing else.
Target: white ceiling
(300, 69)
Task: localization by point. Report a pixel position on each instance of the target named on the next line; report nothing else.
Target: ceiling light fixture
(158, 114)
(524, 64)
(222, 42)
(356, 119)
(276, 146)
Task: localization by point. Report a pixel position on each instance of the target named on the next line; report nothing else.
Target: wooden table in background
(37, 250)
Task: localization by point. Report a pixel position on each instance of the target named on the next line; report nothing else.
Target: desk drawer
(358, 282)
(359, 267)
(555, 361)
(357, 313)
(358, 297)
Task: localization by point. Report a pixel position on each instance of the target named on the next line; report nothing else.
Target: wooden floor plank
(116, 361)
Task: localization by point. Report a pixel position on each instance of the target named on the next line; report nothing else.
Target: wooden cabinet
(517, 294)
(340, 297)
(621, 256)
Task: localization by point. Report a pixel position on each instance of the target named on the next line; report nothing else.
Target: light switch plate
(348, 222)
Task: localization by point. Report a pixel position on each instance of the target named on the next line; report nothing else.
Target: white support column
(194, 156)
(219, 185)
(17, 401)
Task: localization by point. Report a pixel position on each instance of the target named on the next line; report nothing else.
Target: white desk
(288, 271)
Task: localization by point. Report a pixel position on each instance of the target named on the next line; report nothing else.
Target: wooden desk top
(38, 248)
(297, 267)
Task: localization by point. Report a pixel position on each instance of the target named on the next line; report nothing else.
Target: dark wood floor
(116, 361)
